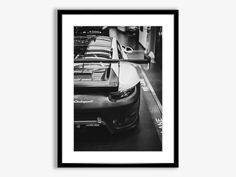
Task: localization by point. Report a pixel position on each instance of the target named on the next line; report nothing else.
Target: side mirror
(127, 49)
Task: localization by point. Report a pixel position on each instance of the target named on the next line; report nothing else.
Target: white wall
(28, 88)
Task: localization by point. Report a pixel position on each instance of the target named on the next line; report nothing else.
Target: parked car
(106, 86)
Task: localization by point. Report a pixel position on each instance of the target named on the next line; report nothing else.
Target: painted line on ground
(152, 102)
(151, 89)
(143, 85)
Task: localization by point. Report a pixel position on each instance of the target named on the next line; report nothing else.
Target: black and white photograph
(117, 88)
(117, 76)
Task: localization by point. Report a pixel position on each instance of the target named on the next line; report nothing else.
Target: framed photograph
(117, 88)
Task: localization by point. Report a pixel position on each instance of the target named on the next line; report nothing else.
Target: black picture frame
(173, 12)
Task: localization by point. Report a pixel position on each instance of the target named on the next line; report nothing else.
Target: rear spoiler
(92, 60)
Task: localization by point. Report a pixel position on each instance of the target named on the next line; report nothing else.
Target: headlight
(121, 94)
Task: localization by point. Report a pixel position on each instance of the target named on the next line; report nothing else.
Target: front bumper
(98, 110)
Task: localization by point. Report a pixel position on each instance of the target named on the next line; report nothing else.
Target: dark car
(106, 86)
